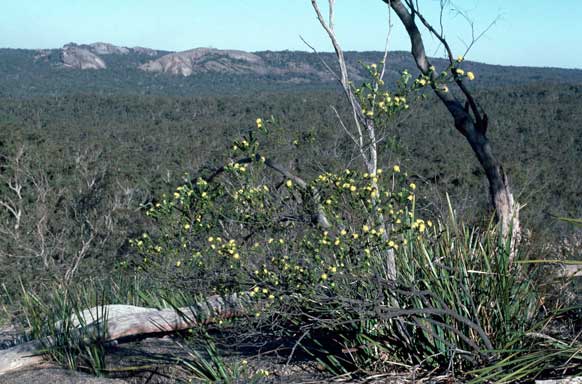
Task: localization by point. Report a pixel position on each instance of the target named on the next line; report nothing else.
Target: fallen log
(114, 322)
(569, 270)
(126, 321)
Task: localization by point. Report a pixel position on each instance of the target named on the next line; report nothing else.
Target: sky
(525, 32)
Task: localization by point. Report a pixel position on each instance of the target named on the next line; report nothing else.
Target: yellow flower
(365, 228)
(412, 186)
(324, 276)
(370, 114)
(470, 75)
(460, 58)
(259, 122)
(353, 188)
(176, 195)
(328, 201)
(460, 71)
(289, 183)
(263, 372)
(236, 256)
(210, 239)
(186, 226)
(343, 232)
(396, 168)
(178, 263)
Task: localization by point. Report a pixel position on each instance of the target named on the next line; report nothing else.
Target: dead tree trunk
(470, 121)
(108, 323)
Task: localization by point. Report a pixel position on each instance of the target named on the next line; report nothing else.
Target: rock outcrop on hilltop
(74, 56)
(107, 49)
(144, 51)
(88, 56)
(200, 60)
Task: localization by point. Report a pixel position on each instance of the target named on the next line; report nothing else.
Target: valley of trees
(129, 149)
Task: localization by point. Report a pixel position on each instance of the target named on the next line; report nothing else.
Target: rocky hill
(105, 68)
(227, 62)
(206, 60)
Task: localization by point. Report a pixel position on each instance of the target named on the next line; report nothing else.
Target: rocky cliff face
(74, 56)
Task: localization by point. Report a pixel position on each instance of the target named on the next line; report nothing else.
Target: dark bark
(469, 120)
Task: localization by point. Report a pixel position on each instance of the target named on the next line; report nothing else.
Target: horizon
(283, 50)
(531, 33)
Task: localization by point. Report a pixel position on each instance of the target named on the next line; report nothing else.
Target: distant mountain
(105, 68)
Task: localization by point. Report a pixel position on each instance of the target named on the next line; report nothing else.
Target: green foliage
(210, 367)
(59, 323)
(457, 301)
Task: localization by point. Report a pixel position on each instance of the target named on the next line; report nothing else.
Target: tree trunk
(473, 127)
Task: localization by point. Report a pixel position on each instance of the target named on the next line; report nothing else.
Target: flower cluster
(378, 103)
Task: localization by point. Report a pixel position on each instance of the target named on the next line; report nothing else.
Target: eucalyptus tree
(469, 117)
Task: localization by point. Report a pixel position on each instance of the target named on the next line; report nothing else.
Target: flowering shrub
(253, 230)
(315, 255)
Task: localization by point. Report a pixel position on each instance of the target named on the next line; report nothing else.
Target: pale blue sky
(528, 32)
